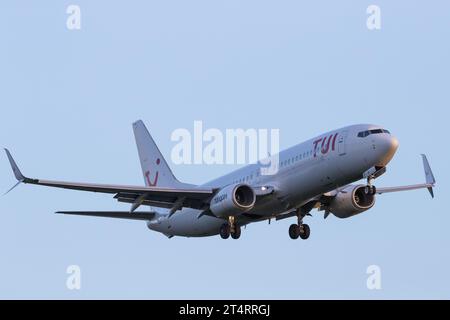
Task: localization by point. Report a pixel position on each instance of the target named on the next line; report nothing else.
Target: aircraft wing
(320, 202)
(112, 214)
(429, 177)
(405, 188)
(429, 184)
(196, 198)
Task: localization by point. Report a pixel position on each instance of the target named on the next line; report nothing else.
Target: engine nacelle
(351, 201)
(233, 200)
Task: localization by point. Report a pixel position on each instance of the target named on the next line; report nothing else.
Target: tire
(294, 231)
(305, 231)
(370, 190)
(237, 232)
(225, 231)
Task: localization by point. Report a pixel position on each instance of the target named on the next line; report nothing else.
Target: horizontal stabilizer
(113, 214)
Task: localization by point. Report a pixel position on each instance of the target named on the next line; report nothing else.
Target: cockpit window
(363, 134)
(366, 133)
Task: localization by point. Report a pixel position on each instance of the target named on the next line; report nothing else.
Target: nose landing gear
(370, 189)
(371, 175)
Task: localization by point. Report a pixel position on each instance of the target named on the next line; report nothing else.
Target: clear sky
(68, 98)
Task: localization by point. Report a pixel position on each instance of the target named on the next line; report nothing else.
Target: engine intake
(233, 200)
(351, 201)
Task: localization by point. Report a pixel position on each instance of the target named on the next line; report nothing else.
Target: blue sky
(68, 99)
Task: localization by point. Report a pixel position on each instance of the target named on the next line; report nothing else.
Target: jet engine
(233, 200)
(351, 201)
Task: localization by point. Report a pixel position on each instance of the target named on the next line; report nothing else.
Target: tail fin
(154, 167)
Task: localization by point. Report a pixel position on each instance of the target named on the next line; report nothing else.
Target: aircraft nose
(393, 144)
(388, 145)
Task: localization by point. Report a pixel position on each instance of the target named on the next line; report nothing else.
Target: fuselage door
(342, 142)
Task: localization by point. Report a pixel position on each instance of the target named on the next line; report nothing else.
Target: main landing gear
(301, 229)
(230, 228)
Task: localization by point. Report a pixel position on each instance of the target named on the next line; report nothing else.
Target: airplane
(320, 173)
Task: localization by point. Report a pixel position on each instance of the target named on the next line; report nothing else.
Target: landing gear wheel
(294, 231)
(370, 190)
(225, 231)
(305, 231)
(236, 234)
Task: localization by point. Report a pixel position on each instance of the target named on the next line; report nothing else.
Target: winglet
(429, 177)
(19, 176)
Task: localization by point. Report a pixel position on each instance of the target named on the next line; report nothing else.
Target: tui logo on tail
(147, 175)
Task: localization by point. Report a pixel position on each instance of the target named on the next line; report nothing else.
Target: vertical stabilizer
(155, 169)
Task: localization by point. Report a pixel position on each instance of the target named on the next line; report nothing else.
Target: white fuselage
(307, 170)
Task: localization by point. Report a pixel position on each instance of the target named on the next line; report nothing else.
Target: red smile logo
(147, 175)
